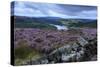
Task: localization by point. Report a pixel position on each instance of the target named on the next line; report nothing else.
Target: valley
(42, 42)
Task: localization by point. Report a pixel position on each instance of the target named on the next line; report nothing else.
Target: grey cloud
(71, 10)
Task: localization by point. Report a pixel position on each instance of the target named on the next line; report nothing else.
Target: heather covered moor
(55, 33)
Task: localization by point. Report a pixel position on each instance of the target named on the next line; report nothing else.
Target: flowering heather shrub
(31, 45)
(47, 40)
(89, 33)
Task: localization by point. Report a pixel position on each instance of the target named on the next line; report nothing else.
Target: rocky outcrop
(81, 50)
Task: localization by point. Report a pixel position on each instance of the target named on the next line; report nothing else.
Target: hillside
(37, 46)
(45, 22)
(79, 23)
(27, 22)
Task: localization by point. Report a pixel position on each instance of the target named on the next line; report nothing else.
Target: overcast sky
(31, 9)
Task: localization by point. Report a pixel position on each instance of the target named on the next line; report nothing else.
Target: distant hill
(50, 20)
(45, 22)
(27, 22)
(79, 22)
